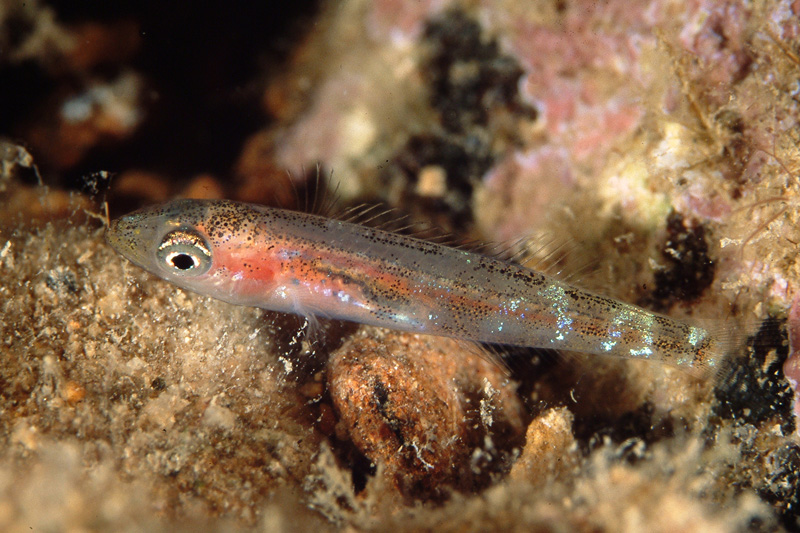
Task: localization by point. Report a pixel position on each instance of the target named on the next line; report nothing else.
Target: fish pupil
(183, 261)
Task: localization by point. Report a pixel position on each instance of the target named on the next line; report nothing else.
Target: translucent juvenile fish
(311, 265)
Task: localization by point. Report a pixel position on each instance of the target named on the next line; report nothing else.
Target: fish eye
(184, 252)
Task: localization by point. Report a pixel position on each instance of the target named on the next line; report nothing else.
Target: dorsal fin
(318, 195)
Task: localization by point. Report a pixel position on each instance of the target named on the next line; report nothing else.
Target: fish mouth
(126, 236)
(112, 235)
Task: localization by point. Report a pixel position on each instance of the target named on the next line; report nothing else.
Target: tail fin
(726, 340)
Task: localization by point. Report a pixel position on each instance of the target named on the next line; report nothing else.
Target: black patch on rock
(688, 270)
(473, 88)
(782, 485)
(469, 75)
(753, 389)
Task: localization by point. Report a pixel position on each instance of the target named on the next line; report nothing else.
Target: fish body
(312, 265)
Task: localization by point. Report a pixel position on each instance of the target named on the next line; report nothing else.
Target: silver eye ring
(184, 252)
